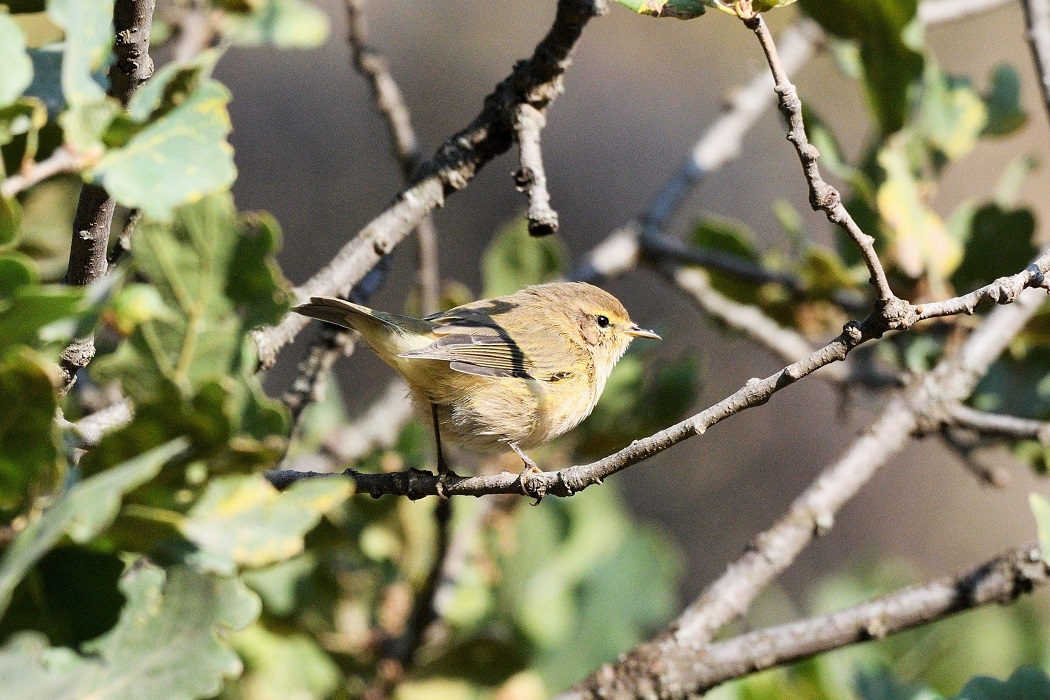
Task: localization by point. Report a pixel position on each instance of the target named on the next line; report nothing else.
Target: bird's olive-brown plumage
(515, 371)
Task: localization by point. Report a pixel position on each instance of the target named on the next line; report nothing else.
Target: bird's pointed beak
(637, 332)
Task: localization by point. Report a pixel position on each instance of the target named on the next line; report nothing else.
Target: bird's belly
(494, 412)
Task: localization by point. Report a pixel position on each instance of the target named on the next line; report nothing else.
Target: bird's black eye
(602, 321)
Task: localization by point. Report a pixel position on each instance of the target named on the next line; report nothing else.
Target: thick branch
(94, 217)
(536, 81)
(1000, 580)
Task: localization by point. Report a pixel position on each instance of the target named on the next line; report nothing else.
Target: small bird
(514, 371)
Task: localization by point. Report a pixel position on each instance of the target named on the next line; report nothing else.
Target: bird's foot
(527, 476)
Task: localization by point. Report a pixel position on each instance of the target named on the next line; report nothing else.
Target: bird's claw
(528, 487)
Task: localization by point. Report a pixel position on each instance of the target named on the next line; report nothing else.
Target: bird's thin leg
(442, 464)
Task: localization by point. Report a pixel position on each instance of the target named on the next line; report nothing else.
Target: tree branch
(922, 406)
(536, 81)
(998, 425)
(390, 103)
(531, 177)
(61, 160)
(822, 196)
(94, 217)
(1000, 580)
(943, 11)
(1037, 21)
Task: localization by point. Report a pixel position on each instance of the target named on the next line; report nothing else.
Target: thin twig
(643, 670)
(390, 103)
(991, 475)
(311, 376)
(999, 425)
(62, 160)
(822, 196)
(531, 177)
(998, 581)
(719, 144)
(1037, 21)
(536, 81)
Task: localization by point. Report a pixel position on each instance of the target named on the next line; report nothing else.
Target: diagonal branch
(390, 103)
(1037, 21)
(536, 81)
(998, 581)
(822, 196)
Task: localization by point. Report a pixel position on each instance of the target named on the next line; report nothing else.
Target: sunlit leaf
(175, 160)
(244, 520)
(17, 70)
(283, 666)
(921, 243)
(89, 35)
(953, 115)
(286, 24)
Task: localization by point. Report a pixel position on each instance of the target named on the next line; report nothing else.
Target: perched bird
(514, 371)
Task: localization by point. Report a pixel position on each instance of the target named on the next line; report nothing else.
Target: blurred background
(638, 95)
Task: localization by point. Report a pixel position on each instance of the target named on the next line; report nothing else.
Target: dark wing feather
(481, 350)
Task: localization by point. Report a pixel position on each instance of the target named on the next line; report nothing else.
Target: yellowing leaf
(919, 239)
(244, 520)
(1041, 510)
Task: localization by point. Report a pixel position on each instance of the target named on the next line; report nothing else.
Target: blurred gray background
(311, 150)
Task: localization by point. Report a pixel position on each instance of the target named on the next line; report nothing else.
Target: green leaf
(169, 639)
(1041, 510)
(576, 561)
(953, 115)
(514, 259)
(170, 86)
(767, 5)
(286, 24)
(175, 160)
(1007, 232)
(734, 238)
(282, 666)
(677, 9)
(10, 216)
(244, 520)
(891, 66)
(17, 70)
(89, 35)
(1003, 102)
(84, 125)
(199, 266)
(82, 512)
(1025, 684)
(28, 436)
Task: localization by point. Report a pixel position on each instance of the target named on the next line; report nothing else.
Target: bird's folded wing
(482, 350)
